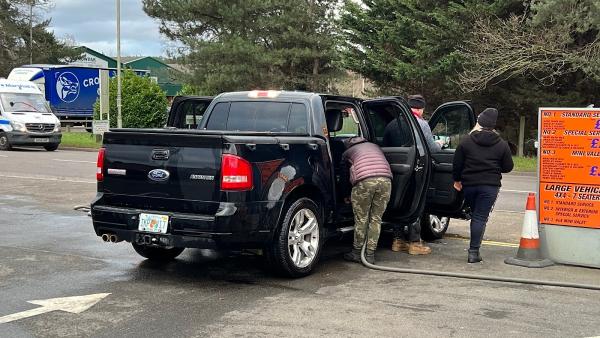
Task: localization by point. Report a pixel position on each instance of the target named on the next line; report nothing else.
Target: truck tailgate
(162, 170)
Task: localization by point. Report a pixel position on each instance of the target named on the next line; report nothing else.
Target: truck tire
(157, 253)
(51, 147)
(296, 247)
(4, 143)
(433, 227)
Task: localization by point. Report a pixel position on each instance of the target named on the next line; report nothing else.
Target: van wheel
(51, 147)
(433, 227)
(296, 247)
(4, 143)
(156, 253)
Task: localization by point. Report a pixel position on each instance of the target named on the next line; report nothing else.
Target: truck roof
(277, 94)
(274, 94)
(12, 86)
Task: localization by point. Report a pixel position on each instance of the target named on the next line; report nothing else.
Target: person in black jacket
(479, 162)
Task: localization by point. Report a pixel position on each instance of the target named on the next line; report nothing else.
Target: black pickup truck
(261, 170)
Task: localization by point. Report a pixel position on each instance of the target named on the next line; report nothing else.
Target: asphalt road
(47, 250)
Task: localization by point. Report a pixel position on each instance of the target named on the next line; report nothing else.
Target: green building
(167, 77)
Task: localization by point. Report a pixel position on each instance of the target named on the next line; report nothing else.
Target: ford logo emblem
(158, 175)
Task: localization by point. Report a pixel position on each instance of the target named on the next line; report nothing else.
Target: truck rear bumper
(27, 139)
(245, 225)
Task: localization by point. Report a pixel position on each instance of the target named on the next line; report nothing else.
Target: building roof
(133, 59)
(98, 54)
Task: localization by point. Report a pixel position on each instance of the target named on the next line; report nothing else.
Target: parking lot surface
(48, 251)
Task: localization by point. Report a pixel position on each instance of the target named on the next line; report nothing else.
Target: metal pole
(521, 136)
(119, 116)
(31, 2)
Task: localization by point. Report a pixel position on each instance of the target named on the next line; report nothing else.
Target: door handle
(419, 166)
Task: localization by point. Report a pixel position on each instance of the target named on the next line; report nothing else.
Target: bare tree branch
(500, 50)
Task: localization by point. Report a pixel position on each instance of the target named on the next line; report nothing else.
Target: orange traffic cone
(529, 254)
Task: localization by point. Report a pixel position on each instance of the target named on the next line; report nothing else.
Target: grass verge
(525, 164)
(79, 140)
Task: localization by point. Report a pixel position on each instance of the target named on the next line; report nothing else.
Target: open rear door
(391, 127)
(450, 122)
(187, 111)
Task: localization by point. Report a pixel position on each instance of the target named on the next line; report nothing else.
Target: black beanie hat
(416, 101)
(487, 118)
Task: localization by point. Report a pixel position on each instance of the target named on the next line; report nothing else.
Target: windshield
(19, 102)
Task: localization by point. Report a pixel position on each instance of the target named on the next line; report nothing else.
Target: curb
(89, 150)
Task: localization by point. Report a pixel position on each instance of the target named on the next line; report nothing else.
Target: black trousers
(408, 232)
(481, 199)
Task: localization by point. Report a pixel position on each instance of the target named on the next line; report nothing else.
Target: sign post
(569, 185)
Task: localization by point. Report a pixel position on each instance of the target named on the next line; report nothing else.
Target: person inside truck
(408, 238)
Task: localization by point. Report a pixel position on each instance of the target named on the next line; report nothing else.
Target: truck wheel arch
(307, 190)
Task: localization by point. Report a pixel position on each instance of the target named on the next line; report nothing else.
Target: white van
(25, 117)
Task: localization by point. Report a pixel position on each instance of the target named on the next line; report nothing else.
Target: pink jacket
(365, 159)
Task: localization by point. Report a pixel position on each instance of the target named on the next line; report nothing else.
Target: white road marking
(510, 211)
(3, 156)
(517, 191)
(74, 161)
(55, 179)
(76, 305)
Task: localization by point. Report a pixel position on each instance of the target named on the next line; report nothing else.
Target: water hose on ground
(472, 276)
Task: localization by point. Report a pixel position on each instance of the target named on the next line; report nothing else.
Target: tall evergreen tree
(15, 39)
(440, 49)
(409, 46)
(247, 44)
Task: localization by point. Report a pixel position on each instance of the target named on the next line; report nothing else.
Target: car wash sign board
(569, 158)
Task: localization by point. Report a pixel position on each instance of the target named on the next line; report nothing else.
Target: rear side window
(259, 116)
(298, 122)
(218, 117)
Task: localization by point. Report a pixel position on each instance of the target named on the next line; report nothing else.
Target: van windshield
(20, 102)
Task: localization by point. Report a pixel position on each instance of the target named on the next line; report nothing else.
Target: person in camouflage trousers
(370, 176)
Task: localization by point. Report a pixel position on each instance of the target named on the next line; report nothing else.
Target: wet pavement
(47, 250)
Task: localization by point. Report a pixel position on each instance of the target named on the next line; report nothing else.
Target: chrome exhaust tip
(105, 237)
(113, 238)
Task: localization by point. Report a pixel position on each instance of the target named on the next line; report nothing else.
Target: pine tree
(249, 44)
(15, 41)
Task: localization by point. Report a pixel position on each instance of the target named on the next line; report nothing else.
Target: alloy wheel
(438, 224)
(303, 238)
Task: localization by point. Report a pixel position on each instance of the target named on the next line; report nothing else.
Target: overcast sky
(92, 23)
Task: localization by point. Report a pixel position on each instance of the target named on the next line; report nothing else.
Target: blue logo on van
(158, 175)
(67, 87)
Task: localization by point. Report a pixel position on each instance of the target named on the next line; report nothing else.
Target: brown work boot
(399, 245)
(418, 248)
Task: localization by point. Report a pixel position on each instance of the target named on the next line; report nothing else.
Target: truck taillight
(236, 173)
(100, 165)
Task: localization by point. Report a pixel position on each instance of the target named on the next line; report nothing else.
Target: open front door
(393, 129)
(450, 122)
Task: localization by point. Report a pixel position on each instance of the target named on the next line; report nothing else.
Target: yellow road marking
(490, 243)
